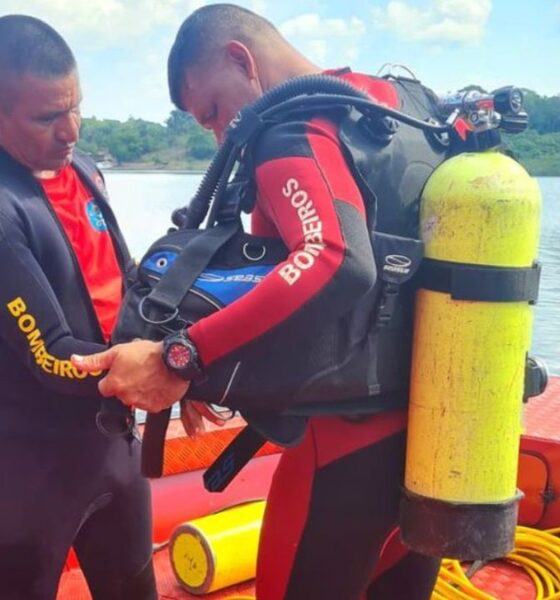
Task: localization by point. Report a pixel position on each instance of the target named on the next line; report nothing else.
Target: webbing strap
(189, 264)
(232, 459)
(480, 282)
(153, 443)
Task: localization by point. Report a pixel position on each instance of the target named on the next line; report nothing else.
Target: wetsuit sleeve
(32, 321)
(306, 192)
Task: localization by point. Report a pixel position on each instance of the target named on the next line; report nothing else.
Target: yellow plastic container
(217, 550)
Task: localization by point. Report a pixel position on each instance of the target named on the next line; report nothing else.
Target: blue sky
(122, 45)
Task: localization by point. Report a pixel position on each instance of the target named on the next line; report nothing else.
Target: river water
(143, 203)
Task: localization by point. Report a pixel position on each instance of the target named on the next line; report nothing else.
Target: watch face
(178, 356)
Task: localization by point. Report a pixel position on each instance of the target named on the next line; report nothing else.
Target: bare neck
(282, 63)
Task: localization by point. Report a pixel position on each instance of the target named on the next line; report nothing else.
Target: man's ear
(241, 56)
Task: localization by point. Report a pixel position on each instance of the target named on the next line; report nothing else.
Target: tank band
(480, 282)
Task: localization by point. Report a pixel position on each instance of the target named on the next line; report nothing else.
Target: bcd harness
(391, 154)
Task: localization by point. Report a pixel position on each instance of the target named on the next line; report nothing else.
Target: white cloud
(321, 39)
(104, 22)
(462, 21)
(121, 47)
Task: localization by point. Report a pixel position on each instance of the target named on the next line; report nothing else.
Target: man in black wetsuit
(333, 504)
(63, 260)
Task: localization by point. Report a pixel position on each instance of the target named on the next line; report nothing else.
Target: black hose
(366, 106)
(306, 85)
(221, 185)
(198, 207)
(293, 93)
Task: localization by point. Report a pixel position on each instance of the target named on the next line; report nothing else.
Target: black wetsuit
(62, 482)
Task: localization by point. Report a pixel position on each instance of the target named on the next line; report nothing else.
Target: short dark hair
(205, 31)
(29, 45)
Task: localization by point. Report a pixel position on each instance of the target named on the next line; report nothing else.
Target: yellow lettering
(48, 363)
(66, 369)
(40, 354)
(16, 307)
(27, 323)
(78, 374)
(35, 340)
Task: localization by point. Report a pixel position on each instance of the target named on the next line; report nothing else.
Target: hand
(193, 414)
(137, 375)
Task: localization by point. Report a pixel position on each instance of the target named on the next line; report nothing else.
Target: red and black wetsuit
(334, 499)
(62, 261)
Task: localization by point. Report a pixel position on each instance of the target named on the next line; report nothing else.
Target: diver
(343, 481)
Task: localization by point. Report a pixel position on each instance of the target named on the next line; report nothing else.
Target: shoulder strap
(189, 264)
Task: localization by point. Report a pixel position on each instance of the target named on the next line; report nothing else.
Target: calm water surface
(143, 203)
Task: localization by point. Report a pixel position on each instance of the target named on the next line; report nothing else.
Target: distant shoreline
(129, 171)
(148, 171)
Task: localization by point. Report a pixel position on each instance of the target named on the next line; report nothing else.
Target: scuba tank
(480, 217)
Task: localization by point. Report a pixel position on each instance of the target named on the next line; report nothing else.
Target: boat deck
(502, 580)
(73, 585)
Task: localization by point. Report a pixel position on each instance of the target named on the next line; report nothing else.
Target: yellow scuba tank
(480, 217)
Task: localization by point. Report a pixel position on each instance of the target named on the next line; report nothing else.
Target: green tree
(200, 143)
(179, 123)
(181, 143)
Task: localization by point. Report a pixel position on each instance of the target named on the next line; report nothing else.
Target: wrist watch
(181, 356)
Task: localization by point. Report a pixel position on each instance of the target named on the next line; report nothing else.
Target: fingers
(94, 362)
(207, 412)
(105, 388)
(191, 419)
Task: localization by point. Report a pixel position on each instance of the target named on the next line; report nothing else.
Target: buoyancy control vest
(392, 161)
(391, 151)
(359, 362)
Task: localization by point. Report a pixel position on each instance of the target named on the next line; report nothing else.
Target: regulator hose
(299, 93)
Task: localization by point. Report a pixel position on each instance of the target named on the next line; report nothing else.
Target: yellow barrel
(468, 363)
(218, 550)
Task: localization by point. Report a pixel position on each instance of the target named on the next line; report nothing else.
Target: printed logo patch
(100, 184)
(397, 263)
(95, 216)
(229, 285)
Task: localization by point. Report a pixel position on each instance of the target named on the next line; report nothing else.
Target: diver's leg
(333, 501)
(411, 578)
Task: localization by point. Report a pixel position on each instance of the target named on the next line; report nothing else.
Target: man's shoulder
(10, 168)
(15, 183)
(282, 139)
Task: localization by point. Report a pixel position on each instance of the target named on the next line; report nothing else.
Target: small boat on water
(179, 496)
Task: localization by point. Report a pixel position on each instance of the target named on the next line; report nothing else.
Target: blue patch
(229, 285)
(160, 261)
(95, 216)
